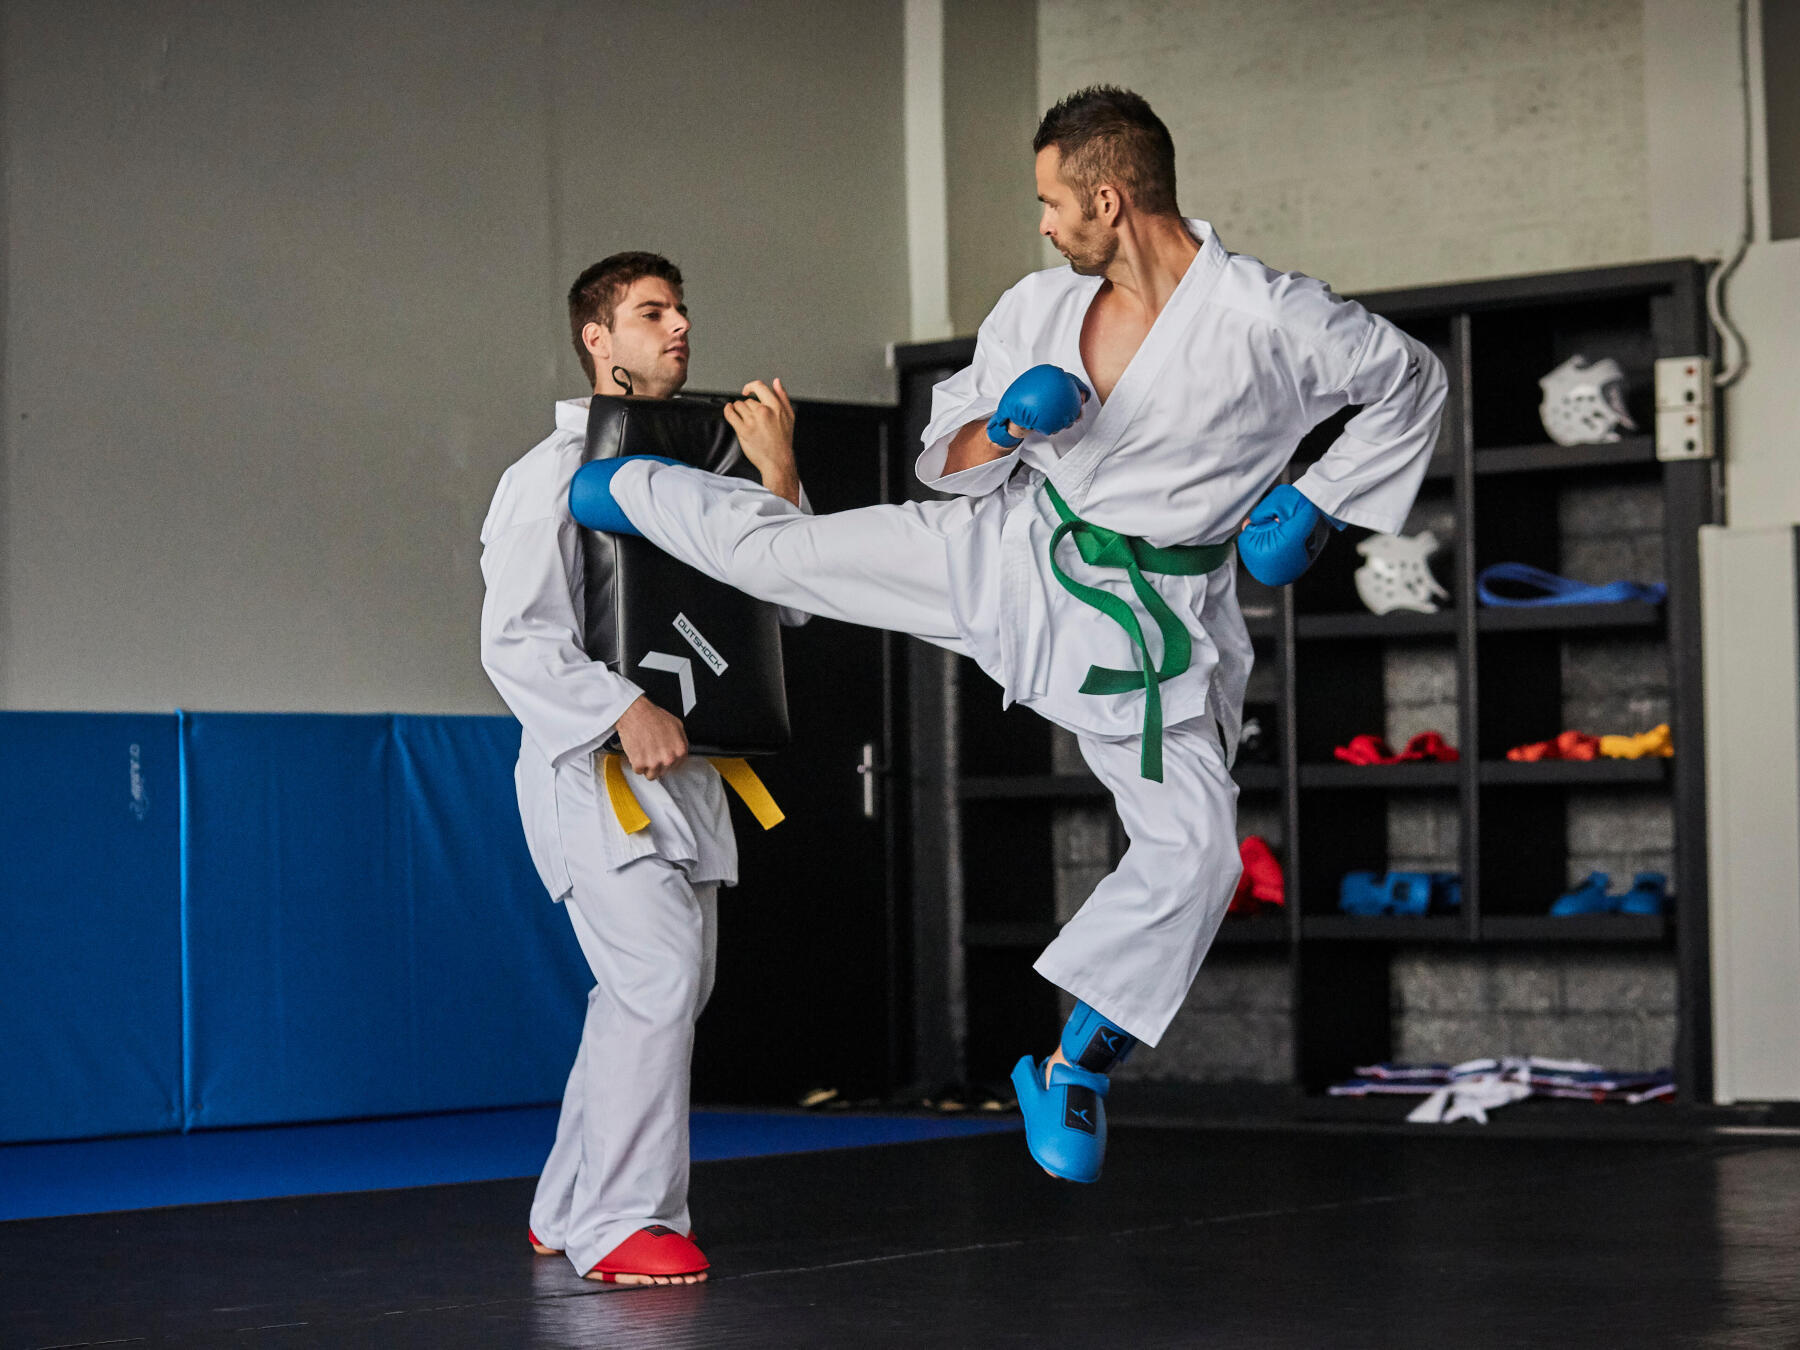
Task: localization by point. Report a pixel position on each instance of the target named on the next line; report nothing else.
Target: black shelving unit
(983, 860)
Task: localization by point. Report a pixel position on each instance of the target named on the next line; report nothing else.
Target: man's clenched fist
(654, 741)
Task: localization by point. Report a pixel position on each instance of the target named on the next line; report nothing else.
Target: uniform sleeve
(1371, 473)
(794, 618)
(972, 393)
(530, 645)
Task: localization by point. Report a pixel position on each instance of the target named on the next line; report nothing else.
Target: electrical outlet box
(1684, 419)
(1684, 433)
(1684, 382)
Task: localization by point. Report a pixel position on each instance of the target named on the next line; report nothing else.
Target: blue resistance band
(1555, 590)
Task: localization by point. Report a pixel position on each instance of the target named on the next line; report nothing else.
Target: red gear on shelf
(1568, 745)
(1262, 881)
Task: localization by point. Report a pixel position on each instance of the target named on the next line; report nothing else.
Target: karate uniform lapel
(1074, 470)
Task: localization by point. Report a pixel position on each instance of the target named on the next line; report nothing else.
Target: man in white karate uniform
(613, 1194)
(1121, 420)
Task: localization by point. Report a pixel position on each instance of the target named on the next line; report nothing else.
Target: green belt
(1101, 547)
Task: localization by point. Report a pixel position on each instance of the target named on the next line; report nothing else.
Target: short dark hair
(1109, 135)
(596, 293)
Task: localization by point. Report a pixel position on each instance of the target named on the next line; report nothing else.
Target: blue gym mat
(94, 1176)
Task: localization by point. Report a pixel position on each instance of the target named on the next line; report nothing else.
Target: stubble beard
(1091, 260)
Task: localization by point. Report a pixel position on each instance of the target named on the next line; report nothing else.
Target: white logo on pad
(700, 644)
(678, 666)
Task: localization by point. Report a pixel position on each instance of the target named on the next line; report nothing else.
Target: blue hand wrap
(1286, 532)
(1045, 399)
(591, 499)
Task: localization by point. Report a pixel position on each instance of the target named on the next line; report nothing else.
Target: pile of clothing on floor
(1468, 1091)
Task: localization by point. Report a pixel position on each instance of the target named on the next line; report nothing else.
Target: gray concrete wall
(284, 296)
(990, 113)
(1610, 1008)
(1781, 92)
(1386, 145)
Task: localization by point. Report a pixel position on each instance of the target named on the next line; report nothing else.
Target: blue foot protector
(1363, 893)
(1446, 890)
(1408, 893)
(1065, 1123)
(590, 494)
(1091, 1042)
(1649, 894)
(1588, 898)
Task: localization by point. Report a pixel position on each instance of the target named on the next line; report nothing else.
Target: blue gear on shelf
(1588, 898)
(1554, 590)
(1649, 894)
(1407, 894)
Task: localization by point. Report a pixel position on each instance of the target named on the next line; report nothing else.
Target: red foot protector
(1262, 881)
(1263, 870)
(1366, 749)
(655, 1250)
(1568, 745)
(540, 1247)
(1427, 745)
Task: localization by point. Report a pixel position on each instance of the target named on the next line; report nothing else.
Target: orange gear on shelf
(1568, 745)
(1655, 743)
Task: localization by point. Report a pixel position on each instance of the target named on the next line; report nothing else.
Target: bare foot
(542, 1250)
(653, 1279)
(1056, 1057)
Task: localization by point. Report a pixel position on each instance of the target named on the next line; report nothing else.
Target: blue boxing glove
(1284, 534)
(1045, 399)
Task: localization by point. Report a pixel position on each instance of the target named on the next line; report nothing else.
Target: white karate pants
(620, 1160)
(1133, 949)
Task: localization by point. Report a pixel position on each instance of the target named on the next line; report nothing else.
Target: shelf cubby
(1413, 775)
(1628, 452)
(1568, 618)
(1654, 929)
(1572, 773)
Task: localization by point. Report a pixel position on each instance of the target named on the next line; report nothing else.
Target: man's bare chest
(1110, 337)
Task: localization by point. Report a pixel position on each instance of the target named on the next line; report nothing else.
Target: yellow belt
(736, 772)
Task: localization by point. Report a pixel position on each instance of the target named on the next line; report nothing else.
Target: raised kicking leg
(881, 566)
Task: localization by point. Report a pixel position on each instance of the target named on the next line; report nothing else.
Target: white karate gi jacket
(567, 704)
(1239, 365)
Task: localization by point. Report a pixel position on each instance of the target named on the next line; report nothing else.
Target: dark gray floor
(1194, 1238)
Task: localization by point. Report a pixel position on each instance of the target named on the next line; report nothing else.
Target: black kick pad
(697, 647)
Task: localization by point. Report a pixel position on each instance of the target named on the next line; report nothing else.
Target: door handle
(867, 770)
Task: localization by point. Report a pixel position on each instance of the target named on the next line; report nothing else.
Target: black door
(808, 987)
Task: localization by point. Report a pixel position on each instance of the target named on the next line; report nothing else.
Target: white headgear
(1584, 402)
(1396, 575)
